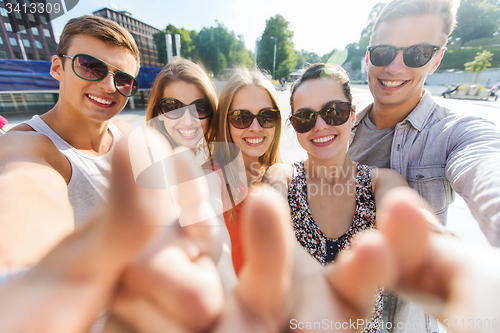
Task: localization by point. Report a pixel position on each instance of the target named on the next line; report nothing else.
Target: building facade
(142, 33)
(25, 35)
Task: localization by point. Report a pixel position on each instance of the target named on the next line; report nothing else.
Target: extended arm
(472, 169)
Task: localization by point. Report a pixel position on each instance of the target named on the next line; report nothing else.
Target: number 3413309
(477, 324)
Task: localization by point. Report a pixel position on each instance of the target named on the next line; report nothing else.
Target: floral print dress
(321, 247)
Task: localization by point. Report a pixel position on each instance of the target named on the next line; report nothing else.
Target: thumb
(267, 241)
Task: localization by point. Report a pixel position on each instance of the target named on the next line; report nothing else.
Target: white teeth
(100, 100)
(324, 139)
(392, 83)
(188, 132)
(254, 141)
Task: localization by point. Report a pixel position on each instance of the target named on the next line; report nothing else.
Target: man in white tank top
(54, 169)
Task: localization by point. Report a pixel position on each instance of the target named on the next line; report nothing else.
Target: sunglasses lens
(89, 68)
(418, 55)
(303, 121)
(336, 113)
(382, 55)
(268, 118)
(203, 107)
(126, 84)
(172, 108)
(241, 119)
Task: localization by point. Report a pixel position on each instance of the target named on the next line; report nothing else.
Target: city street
(460, 221)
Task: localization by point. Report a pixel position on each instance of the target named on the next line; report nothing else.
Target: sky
(318, 25)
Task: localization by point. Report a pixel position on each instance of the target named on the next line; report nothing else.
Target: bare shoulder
(278, 171)
(21, 144)
(124, 127)
(383, 180)
(279, 176)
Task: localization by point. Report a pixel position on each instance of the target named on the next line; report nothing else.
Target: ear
(367, 58)
(56, 68)
(437, 60)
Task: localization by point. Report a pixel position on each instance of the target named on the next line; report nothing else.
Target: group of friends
(192, 223)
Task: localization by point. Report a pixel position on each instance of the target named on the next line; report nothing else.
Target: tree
(477, 19)
(480, 63)
(305, 57)
(286, 58)
(218, 40)
(188, 49)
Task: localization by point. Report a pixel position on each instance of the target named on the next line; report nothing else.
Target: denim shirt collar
(417, 117)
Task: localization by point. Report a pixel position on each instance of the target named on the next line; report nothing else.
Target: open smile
(101, 101)
(392, 83)
(254, 141)
(323, 140)
(188, 133)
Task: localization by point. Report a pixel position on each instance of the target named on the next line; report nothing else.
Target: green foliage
(480, 63)
(219, 40)
(455, 59)
(477, 19)
(286, 57)
(188, 49)
(305, 58)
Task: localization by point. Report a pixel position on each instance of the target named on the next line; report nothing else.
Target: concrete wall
(489, 77)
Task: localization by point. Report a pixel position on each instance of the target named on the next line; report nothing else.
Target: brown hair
(446, 9)
(180, 69)
(103, 29)
(324, 71)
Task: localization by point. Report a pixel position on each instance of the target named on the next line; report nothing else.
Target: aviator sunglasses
(242, 119)
(334, 113)
(174, 109)
(413, 56)
(88, 68)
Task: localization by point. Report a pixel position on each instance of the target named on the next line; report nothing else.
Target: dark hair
(323, 71)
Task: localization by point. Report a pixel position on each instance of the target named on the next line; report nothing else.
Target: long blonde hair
(244, 78)
(224, 154)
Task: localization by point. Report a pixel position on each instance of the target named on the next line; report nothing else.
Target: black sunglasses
(242, 119)
(413, 56)
(90, 68)
(334, 113)
(172, 108)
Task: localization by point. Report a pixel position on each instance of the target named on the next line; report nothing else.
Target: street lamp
(274, 58)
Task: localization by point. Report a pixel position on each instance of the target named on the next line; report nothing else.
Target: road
(460, 221)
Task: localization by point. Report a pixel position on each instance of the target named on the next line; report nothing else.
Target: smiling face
(98, 101)
(186, 131)
(323, 141)
(255, 140)
(396, 84)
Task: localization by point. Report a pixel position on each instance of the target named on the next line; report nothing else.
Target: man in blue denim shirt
(437, 151)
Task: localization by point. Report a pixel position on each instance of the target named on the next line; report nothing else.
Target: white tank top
(89, 181)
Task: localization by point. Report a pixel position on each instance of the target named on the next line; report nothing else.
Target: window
(3, 54)
(42, 57)
(3, 12)
(14, 2)
(43, 19)
(1, 40)
(8, 27)
(26, 43)
(46, 32)
(30, 56)
(17, 55)
(34, 31)
(18, 15)
(50, 45)
(31, 17)
(38, 44)
(22, 29)
(13, 41)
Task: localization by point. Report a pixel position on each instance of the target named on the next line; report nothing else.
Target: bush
(455, 59)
